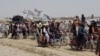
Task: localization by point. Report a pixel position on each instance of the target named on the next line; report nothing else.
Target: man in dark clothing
(98, 47)
(14, 31)
(81, 36)
(83, 19)
(24, 31)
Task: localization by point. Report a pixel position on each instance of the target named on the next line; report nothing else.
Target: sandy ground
(10, 51)
(29, 47)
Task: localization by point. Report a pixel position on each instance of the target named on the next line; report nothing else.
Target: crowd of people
(44, 32)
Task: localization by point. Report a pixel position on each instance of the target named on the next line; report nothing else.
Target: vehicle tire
(56, 43)
(72, 46)
(63, 41)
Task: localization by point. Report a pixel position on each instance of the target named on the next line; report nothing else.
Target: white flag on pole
(25, 12)
(38, 12)
(30, 13)
(47, 17)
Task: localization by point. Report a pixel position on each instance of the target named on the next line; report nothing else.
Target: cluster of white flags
(36, 14)
(28, 12)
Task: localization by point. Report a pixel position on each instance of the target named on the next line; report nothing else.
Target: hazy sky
(54, 8)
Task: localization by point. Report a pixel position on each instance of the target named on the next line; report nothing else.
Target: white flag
(30, 13)
(25, 12)
(38, 12)
(47, 17)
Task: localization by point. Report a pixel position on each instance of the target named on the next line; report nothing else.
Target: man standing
(97, 52)
(69, 27)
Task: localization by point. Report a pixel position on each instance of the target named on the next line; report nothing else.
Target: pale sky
(54, 8)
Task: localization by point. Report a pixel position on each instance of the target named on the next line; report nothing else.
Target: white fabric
(0, 24)
(46, 34)
(7, 27)
(77, 27)
(44, 30)
(46, 24)
(87, 28)
(63, 27)
(89, 20)
(24, 26)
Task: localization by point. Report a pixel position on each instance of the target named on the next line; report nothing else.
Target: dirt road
(31, 47)
(10, 51)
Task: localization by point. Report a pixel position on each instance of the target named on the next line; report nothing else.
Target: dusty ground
(10, 51)
(30, 47)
